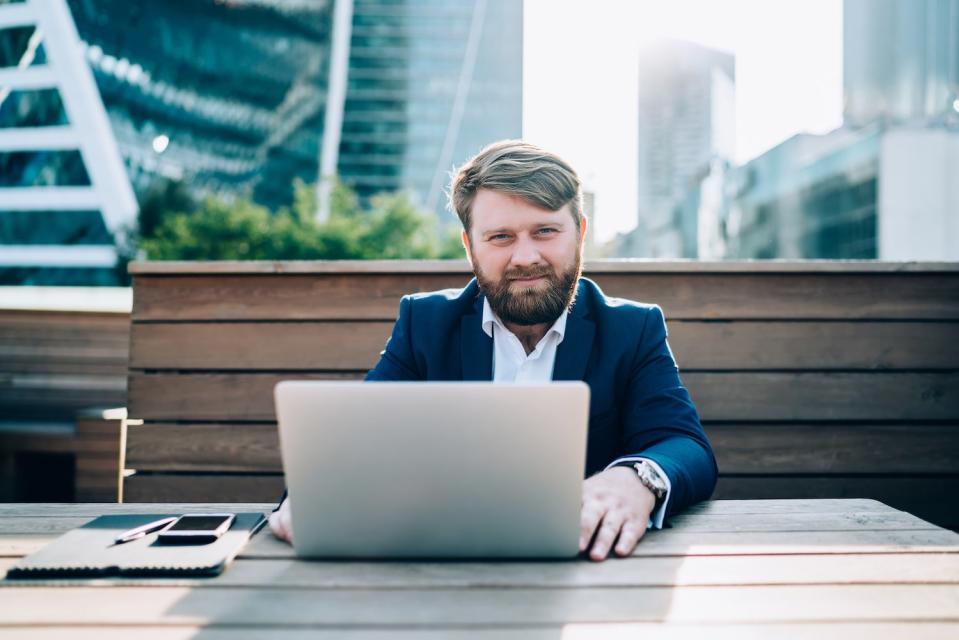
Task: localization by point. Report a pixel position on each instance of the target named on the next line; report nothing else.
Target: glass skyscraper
(237, 90)
(687, 120)
(901, 61)
(229, 97)
(429, 83)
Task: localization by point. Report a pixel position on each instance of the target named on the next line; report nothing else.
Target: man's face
(527, 260)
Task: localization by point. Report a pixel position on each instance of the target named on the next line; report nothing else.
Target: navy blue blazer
(638, 404)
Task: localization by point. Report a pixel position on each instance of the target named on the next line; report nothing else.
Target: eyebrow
(540, 225)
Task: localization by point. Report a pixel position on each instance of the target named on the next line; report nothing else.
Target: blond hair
(520, 169)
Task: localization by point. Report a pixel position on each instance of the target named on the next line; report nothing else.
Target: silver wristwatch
(651, 479)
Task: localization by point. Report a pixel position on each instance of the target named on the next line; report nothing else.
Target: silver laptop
(434, 470)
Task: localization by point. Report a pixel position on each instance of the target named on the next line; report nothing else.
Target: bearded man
(529, 316)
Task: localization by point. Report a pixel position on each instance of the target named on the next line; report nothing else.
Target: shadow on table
(432, 599)
(716, 557)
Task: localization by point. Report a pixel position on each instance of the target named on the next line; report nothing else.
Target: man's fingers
(588, 521)
(628, 538)
(280, 523)
(608, 530)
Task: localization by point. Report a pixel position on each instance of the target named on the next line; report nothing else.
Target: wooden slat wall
(812, 379)
(100, 449)
(54, 363)
(55, 366)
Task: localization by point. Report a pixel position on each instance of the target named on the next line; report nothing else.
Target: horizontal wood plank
(300, 607)
(741, 345)
(682, 543)
(212, 346)
(824, 396)
(931, 498)
(683, 296)
(730, 508)
(204, 447)
(582, 631)
(157, 487)
(653, 545)
(34, 437)
(740, 448)
(703, 571)
(750, 396)
(691, 522)
(96, 370)
(63, 320)
(38, 523)
(610, 265)
(212, 396)
(78, 510)
(828, 448)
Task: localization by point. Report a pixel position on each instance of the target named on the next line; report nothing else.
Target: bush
(390, 228)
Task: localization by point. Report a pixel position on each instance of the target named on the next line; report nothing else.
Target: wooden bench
(63, 368)
(813, 379)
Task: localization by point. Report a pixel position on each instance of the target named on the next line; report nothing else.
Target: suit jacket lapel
(476, 346)
(572, 355)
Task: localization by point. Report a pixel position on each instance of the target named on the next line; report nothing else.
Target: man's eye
(547, 231)
(498, 236)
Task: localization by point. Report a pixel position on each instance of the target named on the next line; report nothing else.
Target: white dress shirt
(512, 364)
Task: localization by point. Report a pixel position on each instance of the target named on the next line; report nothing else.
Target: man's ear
(465, 239)
(583, 227)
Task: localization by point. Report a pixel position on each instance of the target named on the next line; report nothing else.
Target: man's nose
(525, 253)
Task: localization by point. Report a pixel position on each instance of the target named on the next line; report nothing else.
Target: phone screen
(198, 523)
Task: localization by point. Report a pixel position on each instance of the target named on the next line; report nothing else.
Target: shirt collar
(490, 318)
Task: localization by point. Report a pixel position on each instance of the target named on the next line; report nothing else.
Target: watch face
(649, 477)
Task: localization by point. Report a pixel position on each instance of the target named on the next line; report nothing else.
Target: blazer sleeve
(660, 421)
(397, 361)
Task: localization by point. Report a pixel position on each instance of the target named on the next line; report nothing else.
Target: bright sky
(581, 61)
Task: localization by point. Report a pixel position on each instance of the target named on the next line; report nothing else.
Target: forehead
(493, 210)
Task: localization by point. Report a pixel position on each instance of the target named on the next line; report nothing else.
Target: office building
(429, 84)
(901, 61)
(883, 185)
(230, 98)
(686, 122)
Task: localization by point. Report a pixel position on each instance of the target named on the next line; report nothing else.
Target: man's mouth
(527, 280)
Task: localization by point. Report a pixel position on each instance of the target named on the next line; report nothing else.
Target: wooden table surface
(726, 569)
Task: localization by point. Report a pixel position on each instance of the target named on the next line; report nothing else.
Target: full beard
(531, 305)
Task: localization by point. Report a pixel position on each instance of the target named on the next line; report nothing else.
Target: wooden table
(726, 569)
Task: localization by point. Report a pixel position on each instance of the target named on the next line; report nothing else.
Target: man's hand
(280, 523)
(618, 504)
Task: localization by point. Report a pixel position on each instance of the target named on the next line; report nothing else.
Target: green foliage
(162, 198)
(390, 228)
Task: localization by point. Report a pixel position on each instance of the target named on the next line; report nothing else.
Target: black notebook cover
(90, 551)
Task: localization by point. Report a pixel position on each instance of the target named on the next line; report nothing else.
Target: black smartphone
(197, 528)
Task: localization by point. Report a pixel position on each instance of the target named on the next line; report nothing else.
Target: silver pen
(142, 530)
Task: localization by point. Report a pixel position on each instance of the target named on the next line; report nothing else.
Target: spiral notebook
(90, 551)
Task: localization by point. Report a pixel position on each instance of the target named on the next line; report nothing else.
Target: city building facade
(230, 99)
(687, 121)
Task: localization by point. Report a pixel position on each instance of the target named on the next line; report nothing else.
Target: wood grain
(742, 345)
(739, 396)
(932, 497)
(212, 396)
(703, 571)
(158, 487)
(611, 265)
(265, 346)
(740, 448)
(581, 631)
(280, 606)
(683, 296)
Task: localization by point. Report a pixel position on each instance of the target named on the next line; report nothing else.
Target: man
(529, 316)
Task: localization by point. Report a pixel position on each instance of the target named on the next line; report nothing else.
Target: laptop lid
(434, 470)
